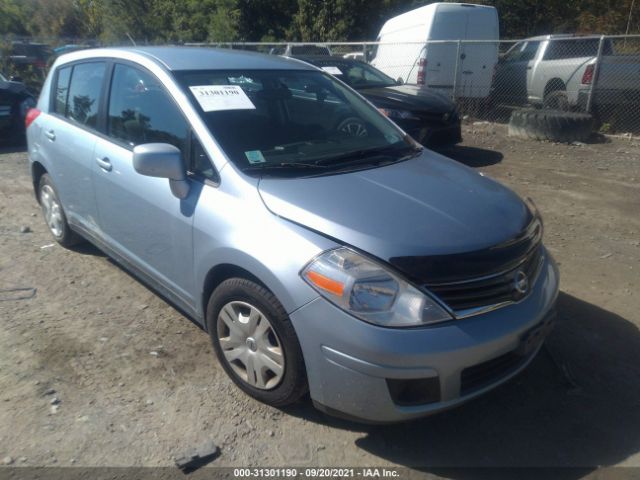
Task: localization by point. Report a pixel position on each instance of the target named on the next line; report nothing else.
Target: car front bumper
(363, 371)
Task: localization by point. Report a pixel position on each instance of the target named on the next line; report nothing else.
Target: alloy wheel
(52, 211)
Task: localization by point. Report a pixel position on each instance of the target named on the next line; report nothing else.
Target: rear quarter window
(61, 90)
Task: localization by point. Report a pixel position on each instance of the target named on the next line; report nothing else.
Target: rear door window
(522, 52)
(564, 49)
(84, 93)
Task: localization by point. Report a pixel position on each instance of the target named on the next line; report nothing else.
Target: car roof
(194, 58)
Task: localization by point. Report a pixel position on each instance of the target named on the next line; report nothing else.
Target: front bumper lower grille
(484, 374)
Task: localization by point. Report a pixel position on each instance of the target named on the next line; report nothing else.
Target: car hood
(410, 97)
(424, 207)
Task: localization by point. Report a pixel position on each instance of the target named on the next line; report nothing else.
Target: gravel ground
(97, 370)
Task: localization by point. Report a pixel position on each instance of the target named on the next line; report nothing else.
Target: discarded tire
(552, 125)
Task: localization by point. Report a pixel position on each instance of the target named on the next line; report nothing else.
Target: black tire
(551, 125)
(67, 237)
(556, 100)
(293, 384)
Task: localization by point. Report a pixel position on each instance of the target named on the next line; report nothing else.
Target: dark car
(15, 101)
(25, 54)
(428, 116)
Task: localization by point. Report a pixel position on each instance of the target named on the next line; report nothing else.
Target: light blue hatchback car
(319, 245)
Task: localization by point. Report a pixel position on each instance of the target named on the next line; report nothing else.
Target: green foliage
(266, 21)
(605, 128)
(151, 21)
(12, 17)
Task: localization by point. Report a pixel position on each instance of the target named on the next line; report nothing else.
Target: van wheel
(54, 213)
(255, 342)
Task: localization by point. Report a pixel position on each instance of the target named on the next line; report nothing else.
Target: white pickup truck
(559, 71)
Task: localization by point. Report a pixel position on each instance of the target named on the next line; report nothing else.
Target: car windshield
(356, 74)
(277, 119)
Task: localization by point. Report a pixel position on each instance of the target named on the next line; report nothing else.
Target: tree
(265, 21)
(12, 18)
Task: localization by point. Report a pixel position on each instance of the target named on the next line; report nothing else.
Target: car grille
(465, 297)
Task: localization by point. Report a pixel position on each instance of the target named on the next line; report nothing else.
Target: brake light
(587, 76)
(422, 71)
(32, 114)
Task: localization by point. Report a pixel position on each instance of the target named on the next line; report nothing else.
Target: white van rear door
(478, 59)
(442, 49)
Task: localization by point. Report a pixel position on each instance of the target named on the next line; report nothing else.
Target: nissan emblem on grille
(520, 284)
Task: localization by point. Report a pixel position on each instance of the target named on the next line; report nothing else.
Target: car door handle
(104, 163)
(51, 135)
(529, 68)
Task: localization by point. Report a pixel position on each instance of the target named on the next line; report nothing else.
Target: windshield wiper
(282, 166)
(370, 155)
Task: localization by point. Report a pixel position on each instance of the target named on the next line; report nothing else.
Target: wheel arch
(286, 285)
(218, 274)
(37, 171)
(554, 85)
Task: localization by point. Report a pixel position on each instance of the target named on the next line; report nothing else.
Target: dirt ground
(138, 384)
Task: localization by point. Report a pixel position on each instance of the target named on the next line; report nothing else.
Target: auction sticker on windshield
(255, 156)
(213, 98)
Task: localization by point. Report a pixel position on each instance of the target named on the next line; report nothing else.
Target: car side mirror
(164, 161)
(15, 78)
(400, 81)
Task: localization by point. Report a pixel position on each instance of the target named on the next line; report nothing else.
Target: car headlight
(370, 291)
(398, 114)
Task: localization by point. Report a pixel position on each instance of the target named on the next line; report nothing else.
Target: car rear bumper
(384, 375)
(612, 97)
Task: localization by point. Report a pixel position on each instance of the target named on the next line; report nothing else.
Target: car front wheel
(255, 342)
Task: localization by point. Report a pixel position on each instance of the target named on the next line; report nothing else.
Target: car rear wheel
(54, 213)
(557, 100)
(255, 342)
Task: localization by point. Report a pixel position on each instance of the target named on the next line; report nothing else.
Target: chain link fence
(487, 79)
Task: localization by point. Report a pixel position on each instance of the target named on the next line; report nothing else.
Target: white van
(421, 47)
